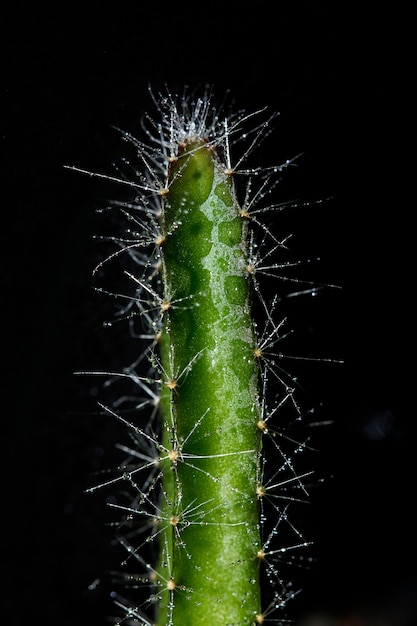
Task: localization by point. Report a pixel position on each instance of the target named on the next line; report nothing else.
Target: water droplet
(94, 584)
(252, 581)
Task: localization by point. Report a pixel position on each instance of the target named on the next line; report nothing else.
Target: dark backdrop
(72, 70)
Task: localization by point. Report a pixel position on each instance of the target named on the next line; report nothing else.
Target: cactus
(195, 529)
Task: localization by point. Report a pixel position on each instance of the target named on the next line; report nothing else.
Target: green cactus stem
(195, 495)
(209, 483)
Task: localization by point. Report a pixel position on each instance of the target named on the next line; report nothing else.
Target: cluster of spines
(155, 446)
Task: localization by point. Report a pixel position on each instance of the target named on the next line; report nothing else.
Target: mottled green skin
(211, 562)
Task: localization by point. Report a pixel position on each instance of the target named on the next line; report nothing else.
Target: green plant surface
(210, 550)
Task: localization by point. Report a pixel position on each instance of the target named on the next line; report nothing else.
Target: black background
(339, 79)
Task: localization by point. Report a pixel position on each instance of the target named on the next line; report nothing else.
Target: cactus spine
(196, 473)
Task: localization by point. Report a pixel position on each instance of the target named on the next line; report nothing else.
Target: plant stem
(210, 402)
(199, 518)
